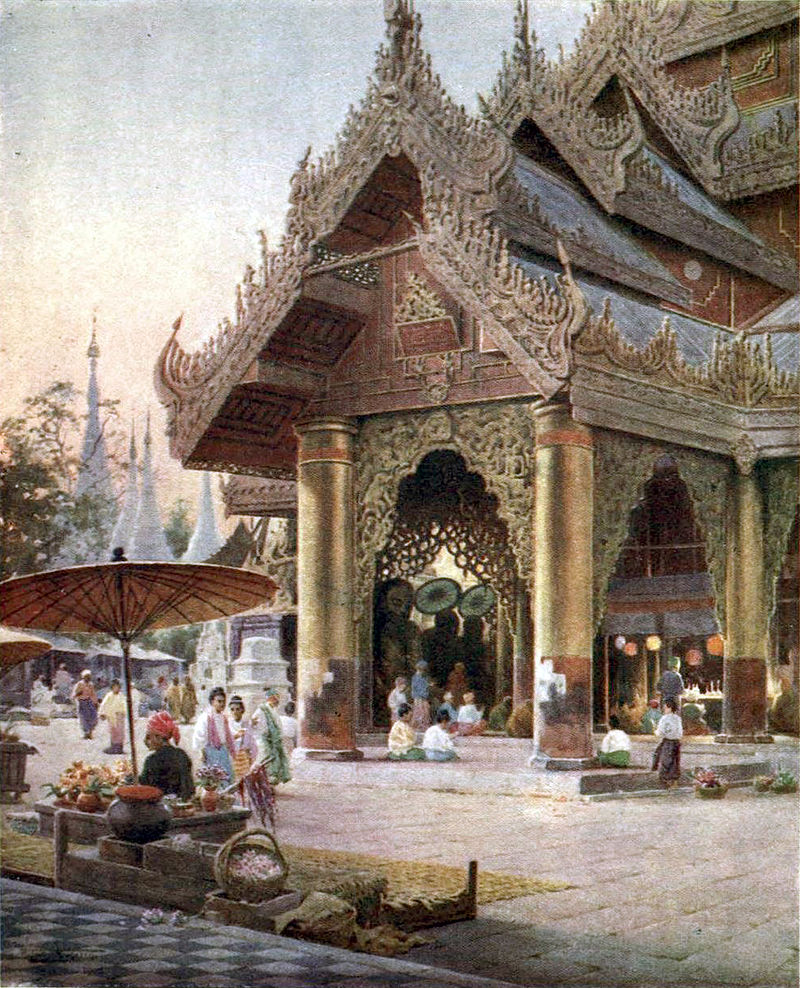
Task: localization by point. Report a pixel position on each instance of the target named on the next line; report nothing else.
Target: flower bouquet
(88, 787)
(763, 783)
(709, 785)
(210, 779)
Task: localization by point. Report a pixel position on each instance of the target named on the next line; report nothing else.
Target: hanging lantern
(715, 645)
(631, 648)
(694, 657)
(652, 643)
(619, 642)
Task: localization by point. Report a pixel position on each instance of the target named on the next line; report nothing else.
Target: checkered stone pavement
(54, 938)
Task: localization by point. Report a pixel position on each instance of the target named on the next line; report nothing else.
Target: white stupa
(205, 540)
(126, 522)
(149, 541)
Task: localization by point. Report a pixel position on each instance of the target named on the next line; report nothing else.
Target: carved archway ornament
(623, 465)
(444, 506)
(495, 441)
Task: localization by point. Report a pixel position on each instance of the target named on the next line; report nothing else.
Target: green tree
(178, 529)
(39, 513)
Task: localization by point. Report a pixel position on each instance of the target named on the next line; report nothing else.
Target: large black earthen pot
(137, 815)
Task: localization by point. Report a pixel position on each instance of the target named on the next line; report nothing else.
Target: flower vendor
(168, 768)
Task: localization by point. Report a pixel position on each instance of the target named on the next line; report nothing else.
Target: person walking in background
(271, 752)
(245, 746)
(420, 696)
(670, 686)
(667, 756)
(173, 699)
(188, 701)
(62, 685)
(212, 734)
(86, 700)
(289, 727)
(113, 709)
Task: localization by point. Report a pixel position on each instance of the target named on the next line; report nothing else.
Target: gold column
(326, 645)
(744, 704)
(504, 644)
(562, 590)
(523, 658)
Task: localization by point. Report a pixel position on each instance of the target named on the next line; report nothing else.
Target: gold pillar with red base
(744, 703)
(562, 591)
(326, 630)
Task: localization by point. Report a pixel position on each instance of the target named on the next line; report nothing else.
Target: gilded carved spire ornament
(622, 44)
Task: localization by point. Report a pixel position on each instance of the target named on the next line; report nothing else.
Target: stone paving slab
(127, 957)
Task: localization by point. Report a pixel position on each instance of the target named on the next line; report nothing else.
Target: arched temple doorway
(661, 604)
(446, 525)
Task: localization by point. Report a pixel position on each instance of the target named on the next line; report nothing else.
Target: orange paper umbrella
(126, 599)
(17, 647)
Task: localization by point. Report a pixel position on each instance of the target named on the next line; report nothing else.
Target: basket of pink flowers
(250, 866)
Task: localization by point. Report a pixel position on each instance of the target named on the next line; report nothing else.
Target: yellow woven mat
(407, 878)
(25, 853)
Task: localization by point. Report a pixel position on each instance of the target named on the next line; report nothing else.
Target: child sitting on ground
(615, 748)
(402, 739)
(437, 743)
(470, 719)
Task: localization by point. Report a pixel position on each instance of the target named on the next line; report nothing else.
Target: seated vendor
(402, 739)
(693, 714)
(651, 717)
(470, 719)
(615, 748)
(168, 768)
(437, 743)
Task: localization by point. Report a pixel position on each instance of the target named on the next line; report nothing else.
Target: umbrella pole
(126, 666)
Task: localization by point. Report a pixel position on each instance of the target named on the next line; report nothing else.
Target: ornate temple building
(557, 341)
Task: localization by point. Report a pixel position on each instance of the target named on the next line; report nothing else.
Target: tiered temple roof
(613, 223)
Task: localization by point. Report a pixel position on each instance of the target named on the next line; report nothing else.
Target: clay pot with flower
(87, 787)
(210, 779)
(709, 785)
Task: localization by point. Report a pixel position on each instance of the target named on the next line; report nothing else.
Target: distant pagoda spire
(149, 540)
(126, 522)
(94, 476)
(205, 540)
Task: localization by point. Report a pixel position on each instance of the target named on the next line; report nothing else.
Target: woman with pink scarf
(212, 734)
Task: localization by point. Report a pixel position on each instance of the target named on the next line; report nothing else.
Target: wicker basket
(710, 792)
(255, 844)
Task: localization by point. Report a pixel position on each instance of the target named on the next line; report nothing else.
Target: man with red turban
(168, 768)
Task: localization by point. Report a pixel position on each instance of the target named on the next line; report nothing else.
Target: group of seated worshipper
(437, 743)
(464, 719)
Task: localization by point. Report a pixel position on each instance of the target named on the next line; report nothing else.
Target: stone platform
(493, 764)
(87, 828)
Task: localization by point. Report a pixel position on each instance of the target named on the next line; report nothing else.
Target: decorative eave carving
(625, 40)
(531, 321)
(259, 496)
(740, 372)
(767, 161)
(405, 110)
(702, 25)
(652, 200)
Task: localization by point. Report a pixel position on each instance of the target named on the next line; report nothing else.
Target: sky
(144, 144)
